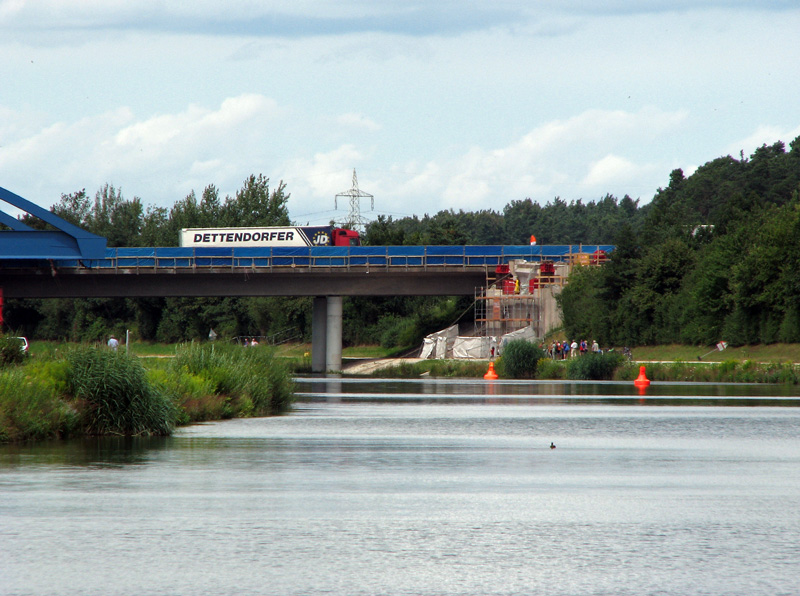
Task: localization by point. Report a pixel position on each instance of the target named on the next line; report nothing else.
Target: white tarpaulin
(526, 333)
(440, 344)
(428, 348)
(474, 347)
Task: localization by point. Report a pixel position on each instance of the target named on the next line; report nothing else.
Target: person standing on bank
(113, 343)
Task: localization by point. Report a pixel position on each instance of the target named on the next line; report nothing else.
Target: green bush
(594, 366)
(115, 395)
(551, 369)
(10, 351)
(399, 333)
(520, 360)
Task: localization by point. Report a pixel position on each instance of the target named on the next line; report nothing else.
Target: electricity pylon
(354, 219)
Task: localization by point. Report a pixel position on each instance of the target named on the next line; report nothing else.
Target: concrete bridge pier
(326, 334)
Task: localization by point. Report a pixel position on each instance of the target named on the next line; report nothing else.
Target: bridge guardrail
(390, 257)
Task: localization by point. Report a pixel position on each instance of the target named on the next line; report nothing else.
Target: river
(439, 487)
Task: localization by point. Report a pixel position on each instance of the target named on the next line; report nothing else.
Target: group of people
(248, 343)
(564, 350)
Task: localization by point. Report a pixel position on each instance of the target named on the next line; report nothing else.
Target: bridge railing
(394, 257)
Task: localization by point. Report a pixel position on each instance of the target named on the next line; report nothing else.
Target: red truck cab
(345, 237)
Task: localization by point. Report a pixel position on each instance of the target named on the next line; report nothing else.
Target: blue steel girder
(68, 241)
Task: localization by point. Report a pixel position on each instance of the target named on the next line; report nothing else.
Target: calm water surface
(425, 487)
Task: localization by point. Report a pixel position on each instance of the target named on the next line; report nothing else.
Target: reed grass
(32, 409)
(96, 391)
(729, 371)
(252, 381)
(434, 368)
(594, 366)
(115, 396)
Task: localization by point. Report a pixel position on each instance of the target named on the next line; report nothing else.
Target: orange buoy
(641, 380)
(490, 374)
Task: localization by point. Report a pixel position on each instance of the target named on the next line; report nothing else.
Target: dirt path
(370, 366)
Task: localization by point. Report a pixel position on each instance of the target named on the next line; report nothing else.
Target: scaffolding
(523, 294)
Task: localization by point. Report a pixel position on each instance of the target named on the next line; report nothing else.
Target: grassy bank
(66, 390)
(297, 351)
(87, 390)
(729, 371)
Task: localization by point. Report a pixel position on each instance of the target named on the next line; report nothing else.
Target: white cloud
(315, 181)
(162, 157)
(352, 120)
(582, 157)
(763, 135)
(610, 170)
(159, 158)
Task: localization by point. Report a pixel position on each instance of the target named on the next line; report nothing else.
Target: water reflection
(106, 452)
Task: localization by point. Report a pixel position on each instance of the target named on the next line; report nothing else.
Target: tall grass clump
(115, 396)
(31, 409)
(250, 381)
(594, 366)
(520, 360)
(551, 369)
(10, 351)
(433, 368)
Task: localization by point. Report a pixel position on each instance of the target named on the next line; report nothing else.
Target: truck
(269, 236)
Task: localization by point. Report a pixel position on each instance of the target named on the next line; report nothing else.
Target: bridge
(307, 271)
(71, 263)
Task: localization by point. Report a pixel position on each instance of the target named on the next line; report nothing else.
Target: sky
(464, 105)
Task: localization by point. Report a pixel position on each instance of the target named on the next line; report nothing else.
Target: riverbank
(46, 398)
(298, 352)
(94, 391)
(729, 371)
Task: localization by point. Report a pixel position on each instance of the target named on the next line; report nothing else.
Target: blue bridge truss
(67, 241)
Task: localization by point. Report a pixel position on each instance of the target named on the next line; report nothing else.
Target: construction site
(517, 302)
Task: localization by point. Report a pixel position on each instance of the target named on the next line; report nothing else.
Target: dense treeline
(711, 257)
(557, 222)
(715, 258)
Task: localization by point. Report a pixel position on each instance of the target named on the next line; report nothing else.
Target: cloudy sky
(448, 104)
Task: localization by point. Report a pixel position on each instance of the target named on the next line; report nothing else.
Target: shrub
(115, 395)
(520, 360)
(10, 351)
(551, 369)
(594, 366)
(400, 333)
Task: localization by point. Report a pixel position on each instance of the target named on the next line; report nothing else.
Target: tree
(75, 208)
(114, 218)
(254, 205)
(583, 311)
